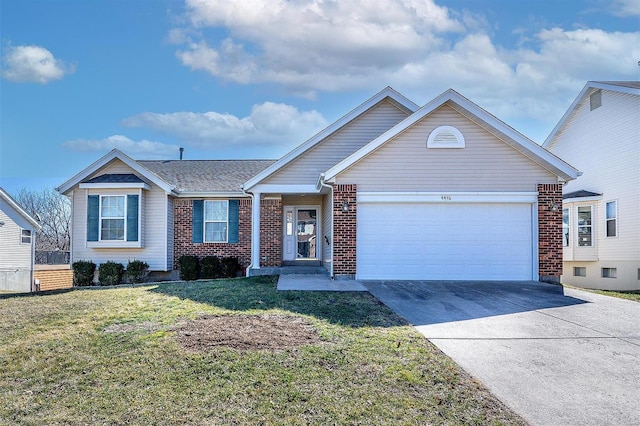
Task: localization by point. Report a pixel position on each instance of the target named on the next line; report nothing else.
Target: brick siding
(271, 233)
(344, 230)
(54, 278)
(549, 232)
(183, 227)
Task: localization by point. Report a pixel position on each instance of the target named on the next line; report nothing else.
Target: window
(112, 220)
(579, 271)
(611, 218)
(595, 99)
(25, 236)
(609, 272)
(445, 137)
(565, 227)
(216, 219)
(112, 217)
(584, 226)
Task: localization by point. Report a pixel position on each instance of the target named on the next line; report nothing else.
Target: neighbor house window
(25, 236)
(112, 217)
(609, 272)
(579, 271)
(585, 230)
(565, 227)
(216, 221)
(612, 218)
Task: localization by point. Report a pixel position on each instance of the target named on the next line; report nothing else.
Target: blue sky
(253, 79)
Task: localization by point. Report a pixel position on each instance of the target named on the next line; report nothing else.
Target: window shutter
(93, 217)
(234, 219)
(198, 221)
(132, 218)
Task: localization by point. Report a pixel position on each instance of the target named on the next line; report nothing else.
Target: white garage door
(436, 241)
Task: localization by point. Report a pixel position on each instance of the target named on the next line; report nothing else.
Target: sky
(230, 79)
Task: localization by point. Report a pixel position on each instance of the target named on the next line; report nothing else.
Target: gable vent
(445, 137)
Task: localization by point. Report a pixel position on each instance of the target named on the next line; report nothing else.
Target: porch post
(255, 230)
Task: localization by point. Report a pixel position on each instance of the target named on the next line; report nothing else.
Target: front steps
(295, 267)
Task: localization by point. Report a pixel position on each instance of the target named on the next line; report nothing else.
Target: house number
(445, 197)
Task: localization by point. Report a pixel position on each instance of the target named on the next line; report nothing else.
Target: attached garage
(445, 237)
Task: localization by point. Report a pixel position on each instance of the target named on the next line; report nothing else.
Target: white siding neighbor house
(17, 245)
(600, 135)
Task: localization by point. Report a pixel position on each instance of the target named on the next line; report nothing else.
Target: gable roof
(19, 209)
(206, 176)
(108, 158)
(386, 93)
(179, 177)
(466, 107)
(580, 194)
(630, 87)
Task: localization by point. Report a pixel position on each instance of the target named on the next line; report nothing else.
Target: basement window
(445, 137)
(579, 271)
(609, 273)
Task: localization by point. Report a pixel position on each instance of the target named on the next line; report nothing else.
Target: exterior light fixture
(345, 206)
(554, 207)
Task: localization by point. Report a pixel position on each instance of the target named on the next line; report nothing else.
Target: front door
(300, 233)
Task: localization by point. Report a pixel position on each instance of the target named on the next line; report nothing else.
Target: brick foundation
(344, 230)
(182, 219)
(270, 232)
(549, 232)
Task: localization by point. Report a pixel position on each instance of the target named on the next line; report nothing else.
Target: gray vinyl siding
(170, 233)
(15, 257)
(307, 168)
(485, 164)
(152, 230)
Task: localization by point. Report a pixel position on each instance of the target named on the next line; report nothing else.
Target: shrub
(136, 271)
(83, 271)
(189, 267)
(229, 267)
(110, 273)
(210, 267)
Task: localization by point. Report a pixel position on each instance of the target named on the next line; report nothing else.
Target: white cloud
(625, 7)
(143, 149)
(32, 64)
(269, 124)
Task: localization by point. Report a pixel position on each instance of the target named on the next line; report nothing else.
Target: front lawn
(226, 352)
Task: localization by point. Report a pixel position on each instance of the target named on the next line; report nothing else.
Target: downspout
(251, 256)
(326, 185)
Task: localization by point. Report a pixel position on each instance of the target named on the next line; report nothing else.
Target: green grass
(59, 366)
(629, 295)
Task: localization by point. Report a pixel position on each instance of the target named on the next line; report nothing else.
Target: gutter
(324, 184)
(250, 266)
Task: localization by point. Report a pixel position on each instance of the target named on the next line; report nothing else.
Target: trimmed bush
(189, 267)
(210, 267)
(229, 267)
(137, 271)
(110, 273)
(83, 271)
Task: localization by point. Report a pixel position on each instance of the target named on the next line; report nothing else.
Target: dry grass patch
(246, 332)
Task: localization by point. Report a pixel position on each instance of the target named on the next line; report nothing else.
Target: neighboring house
(390, 190)
(600, 134)
(17, 245)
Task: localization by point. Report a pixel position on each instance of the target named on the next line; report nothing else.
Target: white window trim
(568, 243)
(23, 236)
(433, 143)
(578, 226)
(606, 219)
(205, 221)
(100, 217)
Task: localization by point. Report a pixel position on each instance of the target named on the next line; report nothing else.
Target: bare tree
(53, 212)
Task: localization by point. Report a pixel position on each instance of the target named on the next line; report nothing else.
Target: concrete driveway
(556, 356)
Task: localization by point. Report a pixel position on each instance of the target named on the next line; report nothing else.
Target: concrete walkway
(556, 357)
(317, 282)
